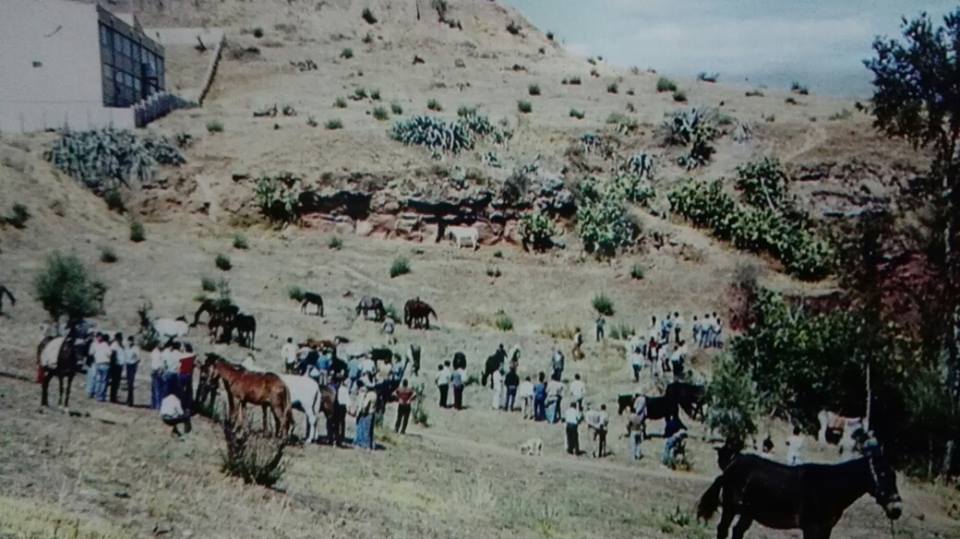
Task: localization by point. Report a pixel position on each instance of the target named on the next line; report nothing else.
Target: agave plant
(279, 196)
(104, 159)
(537, 231)
(434, 133)
(642, 165)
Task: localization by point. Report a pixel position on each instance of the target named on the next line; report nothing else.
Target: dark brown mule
(61, 357)
(809, 497)
(416, 314)
(259, 388)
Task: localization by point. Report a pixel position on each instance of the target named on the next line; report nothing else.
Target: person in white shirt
(288, 352)
(118, 358)
(677, 326)
(156, 377)
(794, 447)
(554, 399)
(635, 354)
(598, 421)
(101, 362)
(132, 357)
(338, 427)
(677, 358)
(368, 365)
(443, 383)
(497, 393)
(525, 392)
(578, 391)
(171, 412)
(572, 419)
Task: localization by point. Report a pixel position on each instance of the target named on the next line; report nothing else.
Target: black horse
(688, 396)
(309, 298)
(246, 328)
(4, 291)
(809, 497)
(218, 311)
(493, 364)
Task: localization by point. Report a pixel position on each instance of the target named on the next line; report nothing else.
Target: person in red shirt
(185, 377)
(405, 396)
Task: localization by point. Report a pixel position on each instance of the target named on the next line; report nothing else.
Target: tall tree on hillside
(917, 97)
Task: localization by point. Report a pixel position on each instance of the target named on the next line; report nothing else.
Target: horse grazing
(260, 388)
(62, 357)
(309, 398)
(369, 303)
(416, 314)
(809, 497)
(309, 298)
(215, 309)
(464, 234)
(689, 397)
(246, 326)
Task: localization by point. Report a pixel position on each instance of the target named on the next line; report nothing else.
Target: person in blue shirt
(540, 398)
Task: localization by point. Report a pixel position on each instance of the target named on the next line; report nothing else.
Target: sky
(820, 43)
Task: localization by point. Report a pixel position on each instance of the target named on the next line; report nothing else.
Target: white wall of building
(64, 87)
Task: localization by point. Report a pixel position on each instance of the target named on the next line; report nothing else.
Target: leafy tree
(732, 400)
(917, 97)
(65, 288)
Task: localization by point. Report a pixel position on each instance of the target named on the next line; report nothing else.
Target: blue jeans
(636, 372)
(363, 439)
(170, 385)
(511, 397)
(131, 373)
(103, 369)
(553, 411)
(91, 381)
(635, 439)
(539, 408)
(156, 389)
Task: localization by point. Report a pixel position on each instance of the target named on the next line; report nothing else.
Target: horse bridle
(882, 497)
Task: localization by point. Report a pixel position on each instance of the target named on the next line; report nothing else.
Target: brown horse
(416, 314)
(260, 388)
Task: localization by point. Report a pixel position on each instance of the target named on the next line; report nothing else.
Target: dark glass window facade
(130, 71)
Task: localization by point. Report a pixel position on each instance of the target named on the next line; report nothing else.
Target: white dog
(532, 447)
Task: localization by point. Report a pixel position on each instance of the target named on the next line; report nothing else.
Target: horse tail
(431, 311)
(710, 500)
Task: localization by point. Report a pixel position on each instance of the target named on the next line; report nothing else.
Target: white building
(76, 65)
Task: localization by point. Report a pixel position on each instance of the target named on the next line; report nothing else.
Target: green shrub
(666, 85)
(334, 124)
(537, 231)
(434, 105)
(240, 241)
(137, 232)
(791, 101)
(312, 121)
(533, 89)
(114, 200)
(602, 220)
(578, 114)
(255, 458)
(603, 305)
(222, 262)
(440, 135)
(754, 93)
(400, 266)
(18, 216)
(513, 28)
(680, 96)
(208, 284)
(612, 88)
(215, 126)
(502, 321)
(295, 293)
(278, 197)
(107, 255)
(381, 114)
(367, 39)
(524, 106)
(368, 16)
(732, 401)
(625, 124)
(359, 94)
(391, 312)
(637, 272)
(335, 243)
(346, 53)
(798, 88)
(340, 103)
(258, 32)
(375, 95)
(574, 81)
(696, 129)
(64, 287)
(763, 183)
(396, 109)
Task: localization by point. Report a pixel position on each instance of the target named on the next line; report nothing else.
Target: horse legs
(45, 387)
(60, 390)
(726, 518)
(66, 397)
(743, 523)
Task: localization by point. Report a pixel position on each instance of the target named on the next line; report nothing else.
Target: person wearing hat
(366, 403)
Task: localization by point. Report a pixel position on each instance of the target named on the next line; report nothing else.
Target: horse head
(883, 481)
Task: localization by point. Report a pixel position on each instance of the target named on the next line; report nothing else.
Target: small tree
(732, 402)
(65, 288)
(536, 231)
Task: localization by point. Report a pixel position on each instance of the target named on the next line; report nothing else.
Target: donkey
(309, 298)
(809, 497)
(369, 303)
(62, 357)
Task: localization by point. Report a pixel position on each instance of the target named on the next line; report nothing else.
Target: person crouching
(172, 414)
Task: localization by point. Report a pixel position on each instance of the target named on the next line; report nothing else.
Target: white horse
(846, 425)
(304, 396)
(462, 234)
(168, 328)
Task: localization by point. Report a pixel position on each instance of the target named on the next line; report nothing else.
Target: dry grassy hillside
(111, 471)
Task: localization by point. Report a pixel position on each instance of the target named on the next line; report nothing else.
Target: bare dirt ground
(112, 471)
